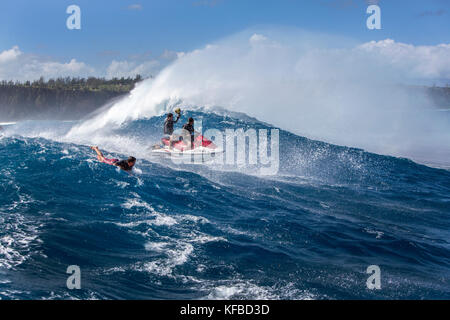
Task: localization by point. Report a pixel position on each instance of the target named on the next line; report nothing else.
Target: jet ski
(202, 146)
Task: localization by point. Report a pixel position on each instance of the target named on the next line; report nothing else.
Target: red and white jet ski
(202, 146)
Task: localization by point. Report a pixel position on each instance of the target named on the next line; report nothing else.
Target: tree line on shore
(67, 98)
(77, 83)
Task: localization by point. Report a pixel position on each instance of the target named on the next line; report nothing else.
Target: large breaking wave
(315, 85)
(197, 231)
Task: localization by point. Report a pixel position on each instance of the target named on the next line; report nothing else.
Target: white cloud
(410, 61)
(171, 55)
(130, 68)
(257, 38)
(417, 61)
(10, 55)
(72, 67)
(16, 65)
(118, 69)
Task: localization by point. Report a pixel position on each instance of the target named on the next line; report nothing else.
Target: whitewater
(352, 190)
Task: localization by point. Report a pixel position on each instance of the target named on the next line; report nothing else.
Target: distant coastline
(59, 99)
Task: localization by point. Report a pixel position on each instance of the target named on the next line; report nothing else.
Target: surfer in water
(126, 165)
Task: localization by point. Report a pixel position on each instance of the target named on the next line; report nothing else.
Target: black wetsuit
(190, 128)
(123, 165)
(168, 125)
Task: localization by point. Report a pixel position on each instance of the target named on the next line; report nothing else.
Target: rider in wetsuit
(168, 128)
(188, 130)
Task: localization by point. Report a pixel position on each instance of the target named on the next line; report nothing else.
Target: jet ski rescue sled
(202, 146)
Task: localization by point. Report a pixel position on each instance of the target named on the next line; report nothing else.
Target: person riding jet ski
(188, 133)
(168, 126)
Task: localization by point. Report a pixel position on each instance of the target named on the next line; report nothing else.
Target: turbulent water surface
(196, 231)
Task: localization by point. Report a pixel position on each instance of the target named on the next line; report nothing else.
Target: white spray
(315, 85)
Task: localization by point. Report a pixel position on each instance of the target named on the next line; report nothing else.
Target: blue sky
(139, 30)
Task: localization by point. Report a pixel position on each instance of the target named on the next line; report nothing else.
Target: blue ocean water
(200, 231)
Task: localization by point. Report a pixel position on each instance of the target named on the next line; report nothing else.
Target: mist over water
(319, 86)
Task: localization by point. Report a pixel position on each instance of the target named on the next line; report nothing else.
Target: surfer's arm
(100, 156)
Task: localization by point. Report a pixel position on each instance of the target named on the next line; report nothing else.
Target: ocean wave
(206, 231)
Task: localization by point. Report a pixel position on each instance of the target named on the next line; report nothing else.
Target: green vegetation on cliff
(62, 98)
